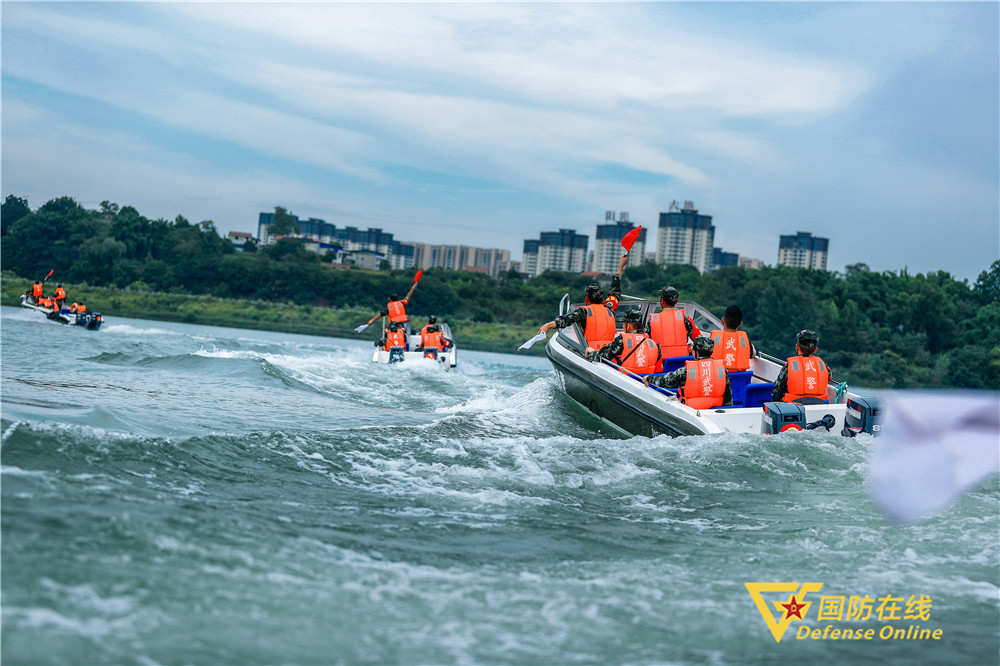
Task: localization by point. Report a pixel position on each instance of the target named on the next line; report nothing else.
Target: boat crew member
(60, 296)
(669, 328)
(703, 382)
(596, 317)
(396, 308)
(36, 291)
(731, 344)
(431, 336)
(639, 354)
(803, 378)
(78, 308)
(395, 336)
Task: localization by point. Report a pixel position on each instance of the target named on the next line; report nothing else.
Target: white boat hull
(620, 399)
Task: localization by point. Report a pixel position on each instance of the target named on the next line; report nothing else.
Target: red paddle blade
(630, 237)
(419, 273)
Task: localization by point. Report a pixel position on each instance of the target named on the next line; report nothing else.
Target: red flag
(419, 273)
(630, 237)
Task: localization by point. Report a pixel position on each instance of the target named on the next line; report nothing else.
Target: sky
(876, 125)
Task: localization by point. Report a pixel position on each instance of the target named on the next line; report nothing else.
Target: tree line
(877, 329)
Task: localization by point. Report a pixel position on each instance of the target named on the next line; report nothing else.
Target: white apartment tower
(608, 247)
(685, 237)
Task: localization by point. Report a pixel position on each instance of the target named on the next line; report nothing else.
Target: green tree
(12, 210)
(284, 223)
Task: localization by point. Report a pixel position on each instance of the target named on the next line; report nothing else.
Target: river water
(179, 494)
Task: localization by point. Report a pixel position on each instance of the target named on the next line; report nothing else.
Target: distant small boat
(412, 352)
(89, 320)
(618, 396)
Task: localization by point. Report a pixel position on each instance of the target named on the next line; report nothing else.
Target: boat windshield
(703, 319)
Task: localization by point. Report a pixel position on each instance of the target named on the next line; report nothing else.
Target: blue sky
(876, 125)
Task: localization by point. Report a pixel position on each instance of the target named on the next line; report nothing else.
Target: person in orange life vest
(669, 328)
(78, 307)
(803, 378)
(431, 336)
(704, 382)
(596, 317)
(395, 336)
(732, 345)
(60, 296)
(633, 350)
(396, 308)
(36, 290)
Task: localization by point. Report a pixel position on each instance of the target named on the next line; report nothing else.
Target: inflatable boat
(89, 320)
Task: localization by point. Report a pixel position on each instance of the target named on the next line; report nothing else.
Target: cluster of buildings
(684, 237)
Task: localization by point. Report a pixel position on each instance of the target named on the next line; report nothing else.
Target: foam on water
(280, 499)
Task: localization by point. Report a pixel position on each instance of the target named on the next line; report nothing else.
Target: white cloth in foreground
(934, 446)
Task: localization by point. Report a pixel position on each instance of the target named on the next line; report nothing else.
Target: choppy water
(176, 494)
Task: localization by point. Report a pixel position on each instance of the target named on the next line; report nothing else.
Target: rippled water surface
(177, 494)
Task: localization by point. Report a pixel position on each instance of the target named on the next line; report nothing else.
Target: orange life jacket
(36, 290)
(81, 308)
(600, 328)
(733, 349)
(397, 311)
(807, 377)
(43, 301)
(705, 385)
(395, 338)
(667, 329)
(435, 339)
(60, 294)
(643, 360)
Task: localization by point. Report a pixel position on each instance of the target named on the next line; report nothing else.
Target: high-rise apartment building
(563, 250)
(803, 250)
(608, 247)
(685, 237)
(721, 258)
(351, 239)
(529, 262)
(492, 261)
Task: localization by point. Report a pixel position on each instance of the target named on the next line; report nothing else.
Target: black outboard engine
(862, 416)
(396, 355)
(782, 417)
(431, 352)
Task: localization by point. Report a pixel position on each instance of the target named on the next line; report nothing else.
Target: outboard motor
(431, 353)
(782, 417)
(396, 355)
(862, 416)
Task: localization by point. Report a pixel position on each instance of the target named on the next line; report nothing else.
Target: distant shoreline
(267, 316)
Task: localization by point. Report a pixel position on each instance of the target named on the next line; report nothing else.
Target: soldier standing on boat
(596, 317)
(669, 328)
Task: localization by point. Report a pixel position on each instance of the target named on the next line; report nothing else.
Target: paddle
(48, 276)
(417, 278)
(629, 239)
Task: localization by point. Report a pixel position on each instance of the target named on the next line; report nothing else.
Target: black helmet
(807, 338)
(669, 294)
(432, 319)
(595, 292)
(703, 346)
